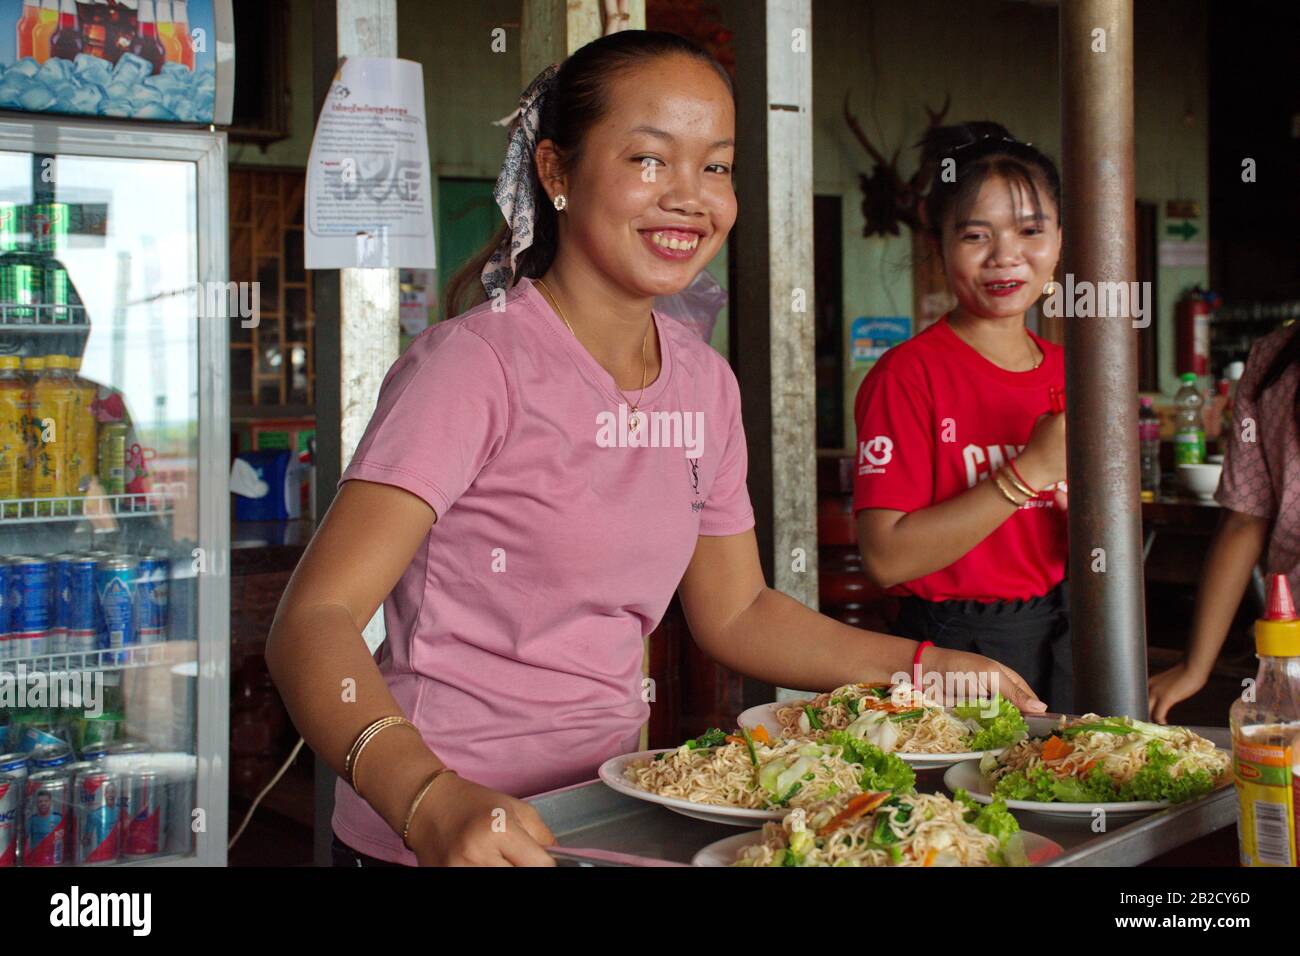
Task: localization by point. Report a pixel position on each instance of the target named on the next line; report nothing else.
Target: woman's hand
(460, 823)
(1043, 461)
(1168, 688)
(972, 673)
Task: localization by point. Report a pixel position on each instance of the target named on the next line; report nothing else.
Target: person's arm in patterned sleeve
(1247, 497)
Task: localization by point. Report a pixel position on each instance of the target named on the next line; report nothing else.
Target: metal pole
(1106, 599)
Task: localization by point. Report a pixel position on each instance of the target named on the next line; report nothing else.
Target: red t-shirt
(934, 418)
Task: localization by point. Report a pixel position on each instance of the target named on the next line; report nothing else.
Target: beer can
(11, 805)
(46, 819)
(115, 583)
(7, 648)
(31, 593)
(50, 757)
(61, 564)
(49, 222)
(151, 598)
(10, 225)
(112, 457)
(39, 734)
(180, 821)
(54, 295)
(145, 810)
(18, 291)
(129, 748)
(15, 764)
(79, 603)
(97, 750)
(99, 816)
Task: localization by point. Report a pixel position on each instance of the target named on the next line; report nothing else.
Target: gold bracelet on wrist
(1010, 475)
(415, 804)
(363, 739)
(996, 478)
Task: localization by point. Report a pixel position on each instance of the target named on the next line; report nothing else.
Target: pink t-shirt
(515, 636)
(1261, 467)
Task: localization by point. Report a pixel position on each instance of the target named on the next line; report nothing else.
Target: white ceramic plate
(723, 852)
(765, 714)
(967, 775)
(611, 773)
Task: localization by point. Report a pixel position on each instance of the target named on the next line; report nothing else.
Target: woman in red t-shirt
(960, 491)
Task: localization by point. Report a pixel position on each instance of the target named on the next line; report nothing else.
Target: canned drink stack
(145, 811)
(79, 604)
(99, 816)
(11, 805)
(115, 583)
(151, 598)
(31, 593)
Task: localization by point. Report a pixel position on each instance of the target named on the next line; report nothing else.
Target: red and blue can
(58, 613)
(151, 598)
(11, 805)
(6, 636)
(50, 757)
(47, 821)
(15, 764)
(99, 816)
(115, 583)
(144, 812)
(94, 751)
(31, 596)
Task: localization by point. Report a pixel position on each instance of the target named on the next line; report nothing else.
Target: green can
(55, 295)
(112, 457)
(10, 225)
(49, 222)
(18, 292)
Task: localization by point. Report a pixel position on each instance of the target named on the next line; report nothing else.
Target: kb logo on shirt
(874, 454)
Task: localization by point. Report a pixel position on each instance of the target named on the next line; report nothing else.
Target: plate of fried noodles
(899, 719)
(748, 778)
(886, 829)
(1122, 764)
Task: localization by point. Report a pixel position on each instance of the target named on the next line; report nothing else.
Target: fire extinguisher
(1192, 329)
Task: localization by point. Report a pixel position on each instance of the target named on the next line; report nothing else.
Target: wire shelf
(80, 507)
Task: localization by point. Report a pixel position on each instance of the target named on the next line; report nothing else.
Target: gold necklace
(633, 418)
(1029, 339)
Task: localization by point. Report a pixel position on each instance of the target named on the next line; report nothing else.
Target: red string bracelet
(916, 662)
(1011, 462)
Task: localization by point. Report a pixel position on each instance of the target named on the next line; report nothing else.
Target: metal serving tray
(594, 816)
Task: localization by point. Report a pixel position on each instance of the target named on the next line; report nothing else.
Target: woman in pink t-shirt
(1260, 494)
(541, 473)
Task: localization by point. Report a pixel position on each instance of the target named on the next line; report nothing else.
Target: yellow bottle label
(50, 440)
(13, 441)
(1266, 821)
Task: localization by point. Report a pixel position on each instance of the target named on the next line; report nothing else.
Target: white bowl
(1201, 480)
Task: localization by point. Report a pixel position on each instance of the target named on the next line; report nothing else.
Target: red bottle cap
(1280, 606)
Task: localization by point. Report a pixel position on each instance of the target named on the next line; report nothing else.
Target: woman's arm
(1234, 552)
(748, 627)
(899, 546)
(315, 652)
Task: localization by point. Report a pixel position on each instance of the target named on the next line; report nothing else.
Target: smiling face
(1001, 252)
(650, 199)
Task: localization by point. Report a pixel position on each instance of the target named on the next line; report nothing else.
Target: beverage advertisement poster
(159, 60)
(871, 336)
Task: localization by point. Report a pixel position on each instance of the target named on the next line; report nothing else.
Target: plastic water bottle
(1189, 428)
(1149, 445)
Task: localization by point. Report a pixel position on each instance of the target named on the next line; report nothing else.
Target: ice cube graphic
(36, 98)
(26, 66)
(54, 71)
(154, 111)
(94, 69)
(11, 93)
(165, 84)
(118, 90)
(178, 71)
(114, 107)
(83, 99)
(142, 95)
(131, 68)
(183, 107)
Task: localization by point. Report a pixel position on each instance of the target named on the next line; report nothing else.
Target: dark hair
(981, 149)
(577, 100)
(1287, 356)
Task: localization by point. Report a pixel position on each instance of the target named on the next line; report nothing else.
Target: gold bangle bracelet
(1006, 493)
(363, 739)
(1010, 475)
(415, 804)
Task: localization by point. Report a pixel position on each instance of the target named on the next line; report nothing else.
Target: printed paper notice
(368, 180)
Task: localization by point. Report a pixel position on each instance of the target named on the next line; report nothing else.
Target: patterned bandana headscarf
(513, 190)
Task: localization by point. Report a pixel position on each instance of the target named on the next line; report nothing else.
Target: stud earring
(1050, 289)
(560, 202)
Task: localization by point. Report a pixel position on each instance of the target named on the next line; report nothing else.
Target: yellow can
(13, 428)
(85, 433)
(52, 399)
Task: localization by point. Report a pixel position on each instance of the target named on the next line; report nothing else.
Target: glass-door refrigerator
(114, 524)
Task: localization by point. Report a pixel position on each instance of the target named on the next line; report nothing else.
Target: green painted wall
(997, 57)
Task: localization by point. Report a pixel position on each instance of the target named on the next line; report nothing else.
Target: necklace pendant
(633, 421)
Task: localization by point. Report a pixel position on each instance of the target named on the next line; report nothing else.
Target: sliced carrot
(760, 736)
(1055, 748)
(930, 854)
(733, 739)
(859, 806)
(1086, 767)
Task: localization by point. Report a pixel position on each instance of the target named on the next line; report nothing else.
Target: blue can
(6, 636)
(14, 763)
(50, 757)
(115, 583)
(151, 598)
(95, 751)
(79, 604)
(58, 616)
(31, 595)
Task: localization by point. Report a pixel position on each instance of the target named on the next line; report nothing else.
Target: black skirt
(1031, 637)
